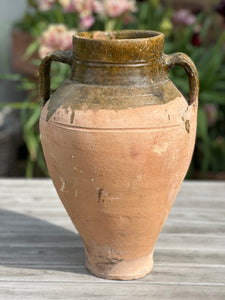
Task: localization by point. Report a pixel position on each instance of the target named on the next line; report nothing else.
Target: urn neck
(129, 57)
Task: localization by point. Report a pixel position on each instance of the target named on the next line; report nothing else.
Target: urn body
(118, 138)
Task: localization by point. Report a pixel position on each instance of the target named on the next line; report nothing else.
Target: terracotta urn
(118, 138)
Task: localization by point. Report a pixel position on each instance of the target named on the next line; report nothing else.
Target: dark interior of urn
(118, 35)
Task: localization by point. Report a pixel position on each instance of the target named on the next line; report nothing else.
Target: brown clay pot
(21, 40)
(118, 138)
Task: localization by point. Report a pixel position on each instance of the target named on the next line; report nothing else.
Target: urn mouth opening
(122, 35)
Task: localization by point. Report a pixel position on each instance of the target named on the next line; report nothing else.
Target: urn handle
(181, 59)
(63, 56)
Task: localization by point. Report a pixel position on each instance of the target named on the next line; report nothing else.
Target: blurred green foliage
(203, 41)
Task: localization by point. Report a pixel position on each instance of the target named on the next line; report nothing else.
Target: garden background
(31, 29)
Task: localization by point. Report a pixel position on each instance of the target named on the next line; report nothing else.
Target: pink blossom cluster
(117, 8)
(111, 8)
(55, 37)
(183, 17)
(45, 4)
(85, 9)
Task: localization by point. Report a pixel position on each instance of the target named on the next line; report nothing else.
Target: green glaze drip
(115, 70)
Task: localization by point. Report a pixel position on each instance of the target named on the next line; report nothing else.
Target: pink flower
(87, 21)
(45, 4)
(183, 17)
(80, 6)
(68, 5)
(85, 9)
(44, 50)
(98, 7)
(55, 37)
(117, 8)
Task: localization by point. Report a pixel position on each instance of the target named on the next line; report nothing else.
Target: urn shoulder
(115, 71)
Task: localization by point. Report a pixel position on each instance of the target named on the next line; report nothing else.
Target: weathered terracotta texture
(118, 138)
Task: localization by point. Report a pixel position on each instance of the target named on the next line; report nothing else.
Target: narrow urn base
(121, 269)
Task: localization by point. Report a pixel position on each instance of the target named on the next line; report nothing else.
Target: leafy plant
(196, 35)
(210, 61)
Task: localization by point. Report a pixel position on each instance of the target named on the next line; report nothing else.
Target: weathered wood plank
(41, 256)
(160, 274)
(191, 241)
(69, 239)
(75, 255)
(108, 291)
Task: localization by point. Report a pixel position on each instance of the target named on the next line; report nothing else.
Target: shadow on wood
(28, 242)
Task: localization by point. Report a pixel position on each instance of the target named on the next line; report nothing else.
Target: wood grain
(42, 257)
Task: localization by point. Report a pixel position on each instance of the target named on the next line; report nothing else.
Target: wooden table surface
(41, 254)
